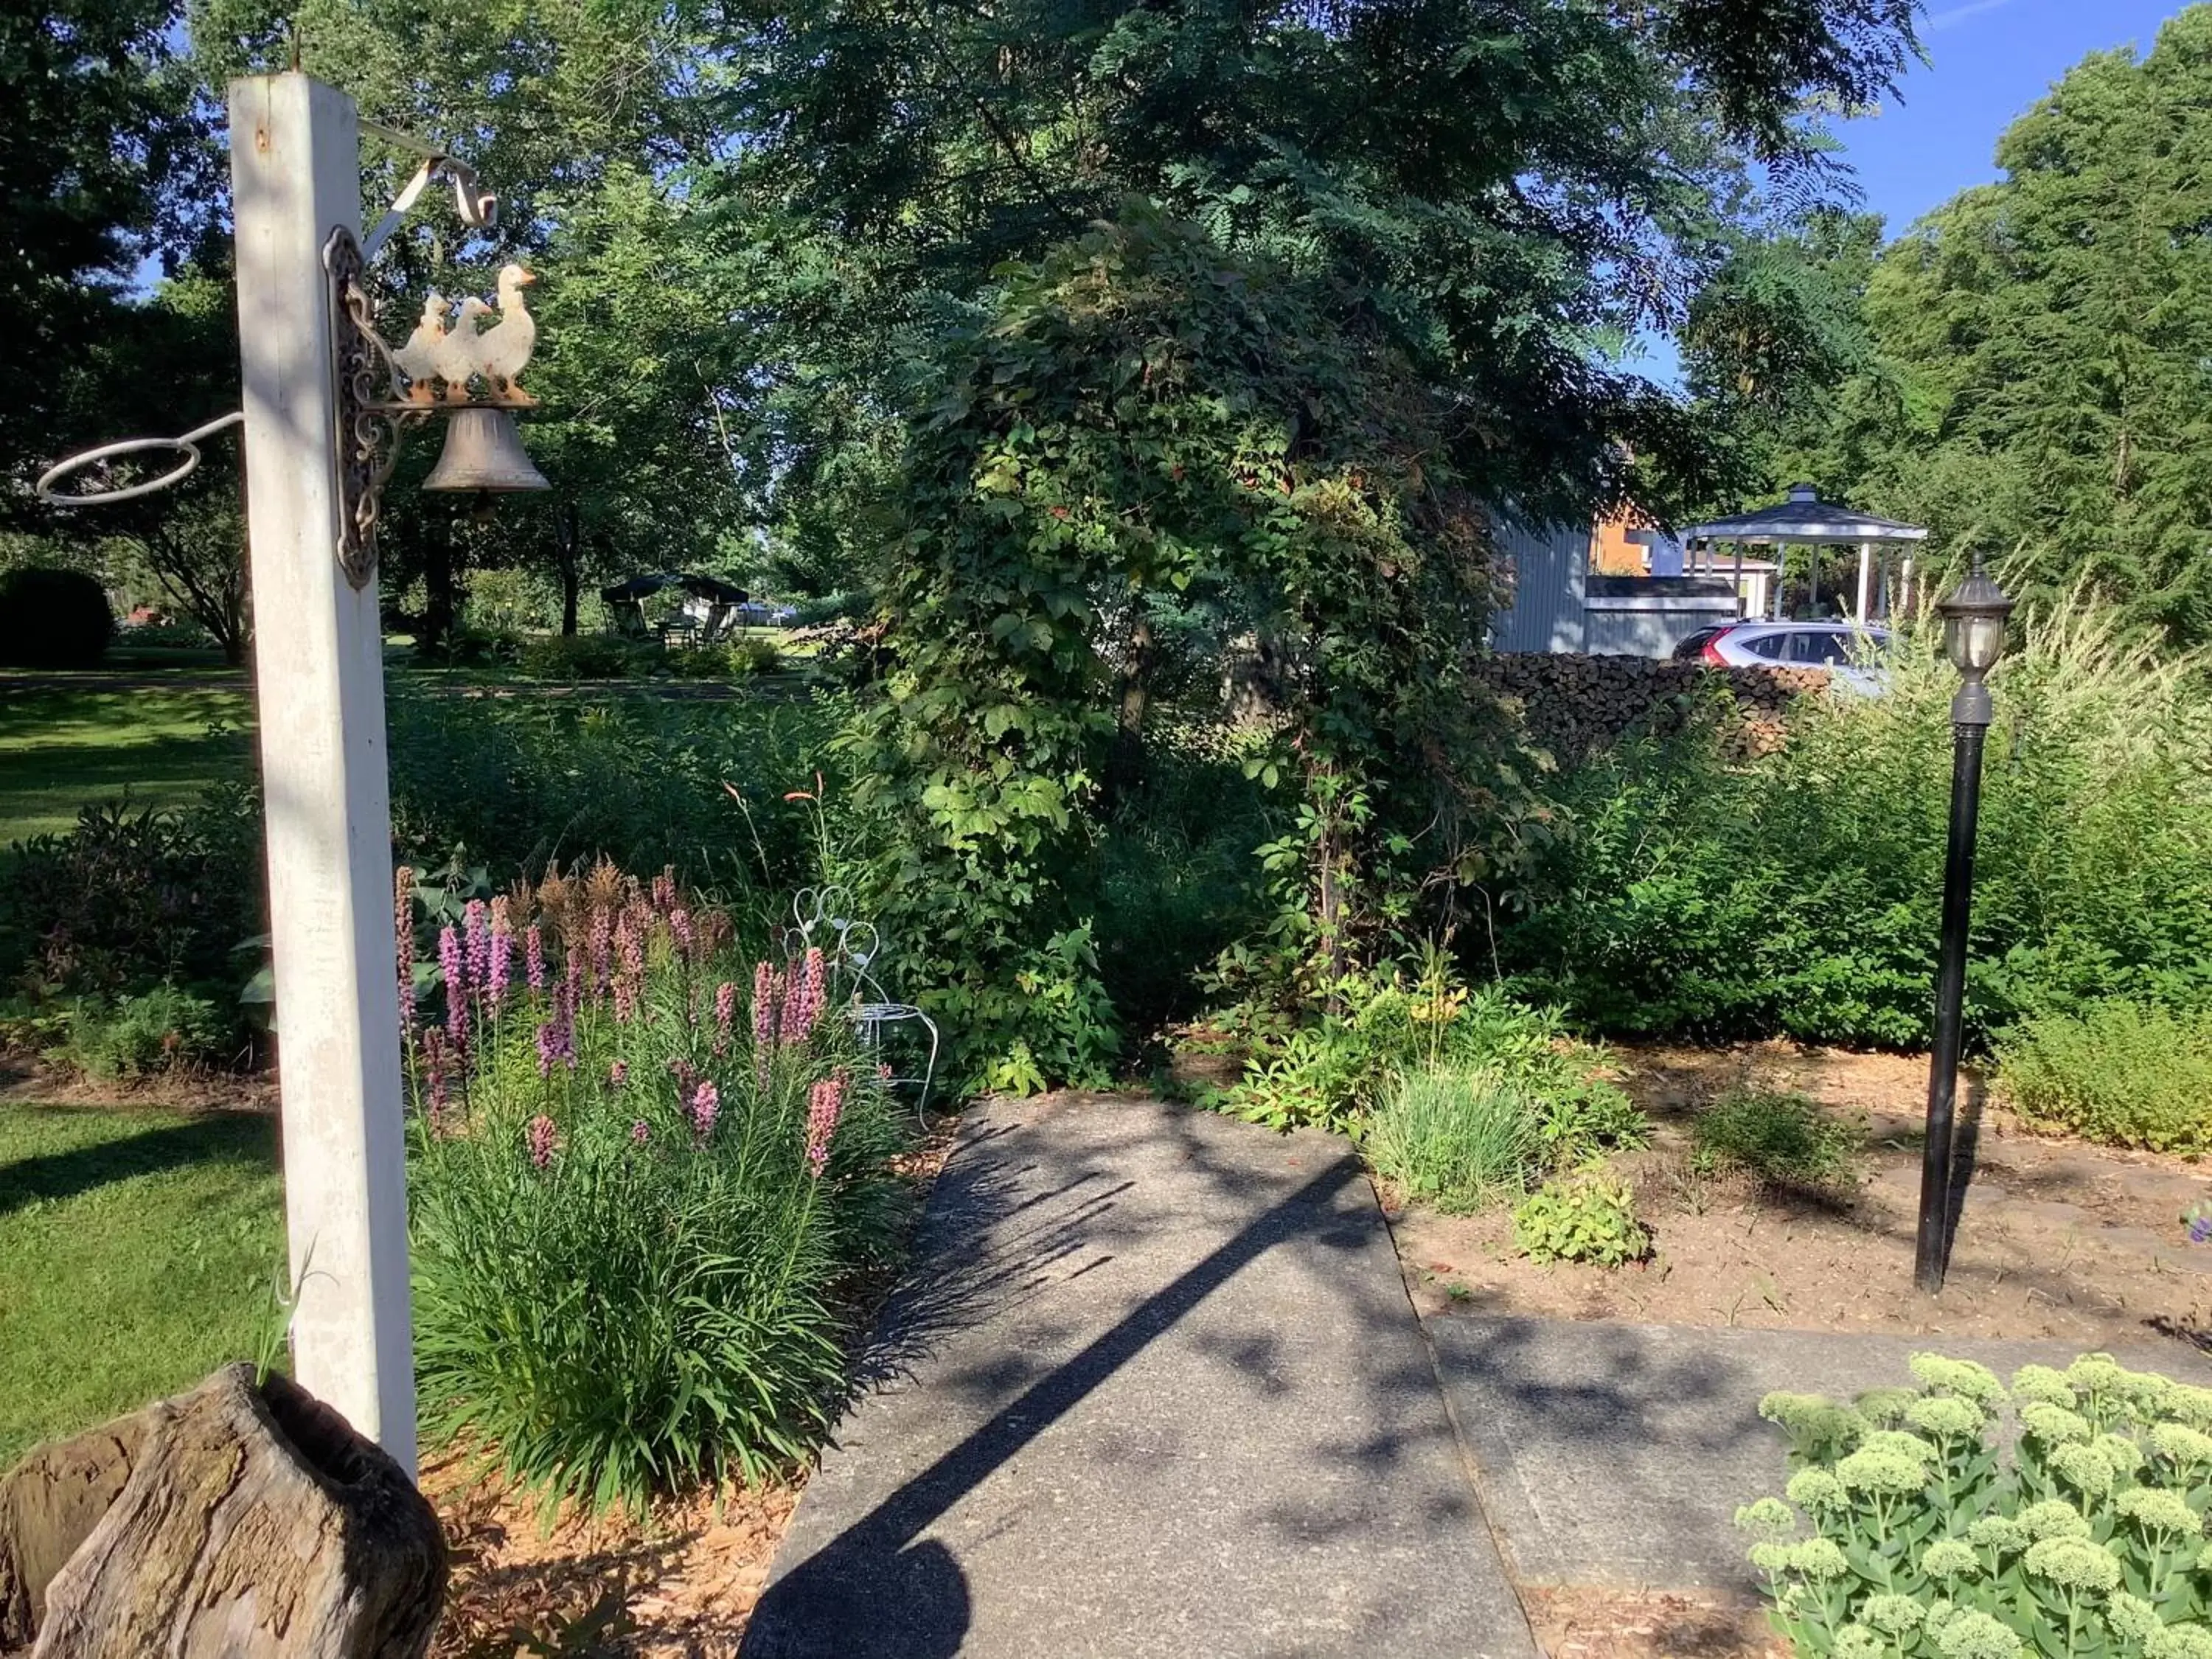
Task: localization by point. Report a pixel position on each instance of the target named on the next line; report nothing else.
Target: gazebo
(717, 598)
(1807, 520)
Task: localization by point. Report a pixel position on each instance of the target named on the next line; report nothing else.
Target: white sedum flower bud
(1962, 1377)
(2073, 1564)
(1974, 1635)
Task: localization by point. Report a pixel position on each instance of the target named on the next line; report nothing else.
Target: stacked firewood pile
(1572, 705)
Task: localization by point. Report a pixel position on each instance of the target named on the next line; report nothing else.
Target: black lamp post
(1973, 636)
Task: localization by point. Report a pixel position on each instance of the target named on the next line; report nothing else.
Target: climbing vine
(1143, 430)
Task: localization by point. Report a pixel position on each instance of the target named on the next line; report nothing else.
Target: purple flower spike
(533, 956)
(477, 934)
(542, 1130)
(725, 1011)
(640, 1133)
(457, 986)
(680, 924)
(502, 968)
(618, 1073)
(705, 1104)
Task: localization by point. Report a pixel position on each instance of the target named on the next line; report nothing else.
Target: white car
(1851, 653)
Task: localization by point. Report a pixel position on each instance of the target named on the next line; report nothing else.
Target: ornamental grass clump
(640, 1208)
(2086, 1541)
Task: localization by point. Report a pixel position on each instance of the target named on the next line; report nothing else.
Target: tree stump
(251, 1524)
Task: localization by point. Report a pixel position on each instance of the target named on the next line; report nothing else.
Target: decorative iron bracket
(369, 428)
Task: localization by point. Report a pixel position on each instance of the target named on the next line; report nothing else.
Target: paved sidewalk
(1154, 1388)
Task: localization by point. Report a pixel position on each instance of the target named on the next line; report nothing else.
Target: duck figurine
(458, 354)
(418, 359)
(504, 348)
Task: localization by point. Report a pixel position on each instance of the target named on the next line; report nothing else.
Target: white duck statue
(418, 358)
(504, 348)
(458, 354)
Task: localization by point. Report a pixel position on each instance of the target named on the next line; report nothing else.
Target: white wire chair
(851, 950)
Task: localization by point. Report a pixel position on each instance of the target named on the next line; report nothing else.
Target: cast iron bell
(484, 455)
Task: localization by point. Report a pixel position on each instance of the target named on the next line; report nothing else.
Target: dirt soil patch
(2053, 1237)
(1583, 1622)
(678, 1584)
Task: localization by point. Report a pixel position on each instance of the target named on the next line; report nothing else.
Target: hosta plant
(1909, 1532)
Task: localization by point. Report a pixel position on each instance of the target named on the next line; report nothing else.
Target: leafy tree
(586, 117)
(103, 166)
(2037, 389)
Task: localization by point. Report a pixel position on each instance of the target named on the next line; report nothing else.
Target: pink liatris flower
(767, 990)
(706, 1105)
(477, 934)
(629, 938)
(502, 968)
(618, 1073)
(403, 934)
(603, 943)
(533, 956)
(663, 892)
(725, 1011)
(457, 986)
(825, 1101)
(542, 1130)
(548, 1047)
(802, 1006)
(640, 1133)
(625, 1000)
(679, 924)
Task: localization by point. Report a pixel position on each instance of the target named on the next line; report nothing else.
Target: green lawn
(138, 1251)
(62, 750)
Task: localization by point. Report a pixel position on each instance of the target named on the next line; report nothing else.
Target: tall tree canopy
(1511, 189)
(2036, 384)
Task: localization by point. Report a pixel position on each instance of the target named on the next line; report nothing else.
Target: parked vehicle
(1852, 653)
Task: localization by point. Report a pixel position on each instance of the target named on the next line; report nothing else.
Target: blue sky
(1988, 60)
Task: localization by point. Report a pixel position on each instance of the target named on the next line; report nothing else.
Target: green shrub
(129, 899)
(519, 781)
(574, 657)
(1335, 1070)
(753, 653)
(1781, 1138)
(1694, 892)
(2121, 1072)
(52, 618)
(137, 1035)
(1455, 1138)
(2088, 1541)
(1459, 1137)
(637, 1229)
(1588, 1216)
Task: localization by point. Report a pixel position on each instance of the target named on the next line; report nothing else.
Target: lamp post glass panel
(1973, 637)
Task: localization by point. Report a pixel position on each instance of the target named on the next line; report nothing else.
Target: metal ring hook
(189, 443)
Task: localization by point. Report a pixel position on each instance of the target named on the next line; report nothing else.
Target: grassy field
(158, 746)
(138, 1251)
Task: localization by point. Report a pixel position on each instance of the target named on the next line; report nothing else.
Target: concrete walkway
(1154, 1388)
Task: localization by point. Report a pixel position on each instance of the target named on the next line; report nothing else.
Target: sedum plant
(1908, 1534)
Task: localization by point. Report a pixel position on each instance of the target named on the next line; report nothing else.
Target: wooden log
(49, 1503)
(254, 1524)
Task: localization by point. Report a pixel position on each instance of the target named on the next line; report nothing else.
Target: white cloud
(1951, 15)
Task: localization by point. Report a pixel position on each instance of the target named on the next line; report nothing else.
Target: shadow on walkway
(876, 1590)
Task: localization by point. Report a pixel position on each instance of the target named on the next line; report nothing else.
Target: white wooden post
(319, 674)
(1866, 582)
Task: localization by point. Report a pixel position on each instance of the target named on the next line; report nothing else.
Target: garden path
(1155, 1387)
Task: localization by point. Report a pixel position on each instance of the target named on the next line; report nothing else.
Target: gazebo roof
(1803, 517)
(697, 585)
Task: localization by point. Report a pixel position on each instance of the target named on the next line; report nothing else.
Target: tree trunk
(1125, 762)
(438, 561)
(566, 536)
(244, 1523)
